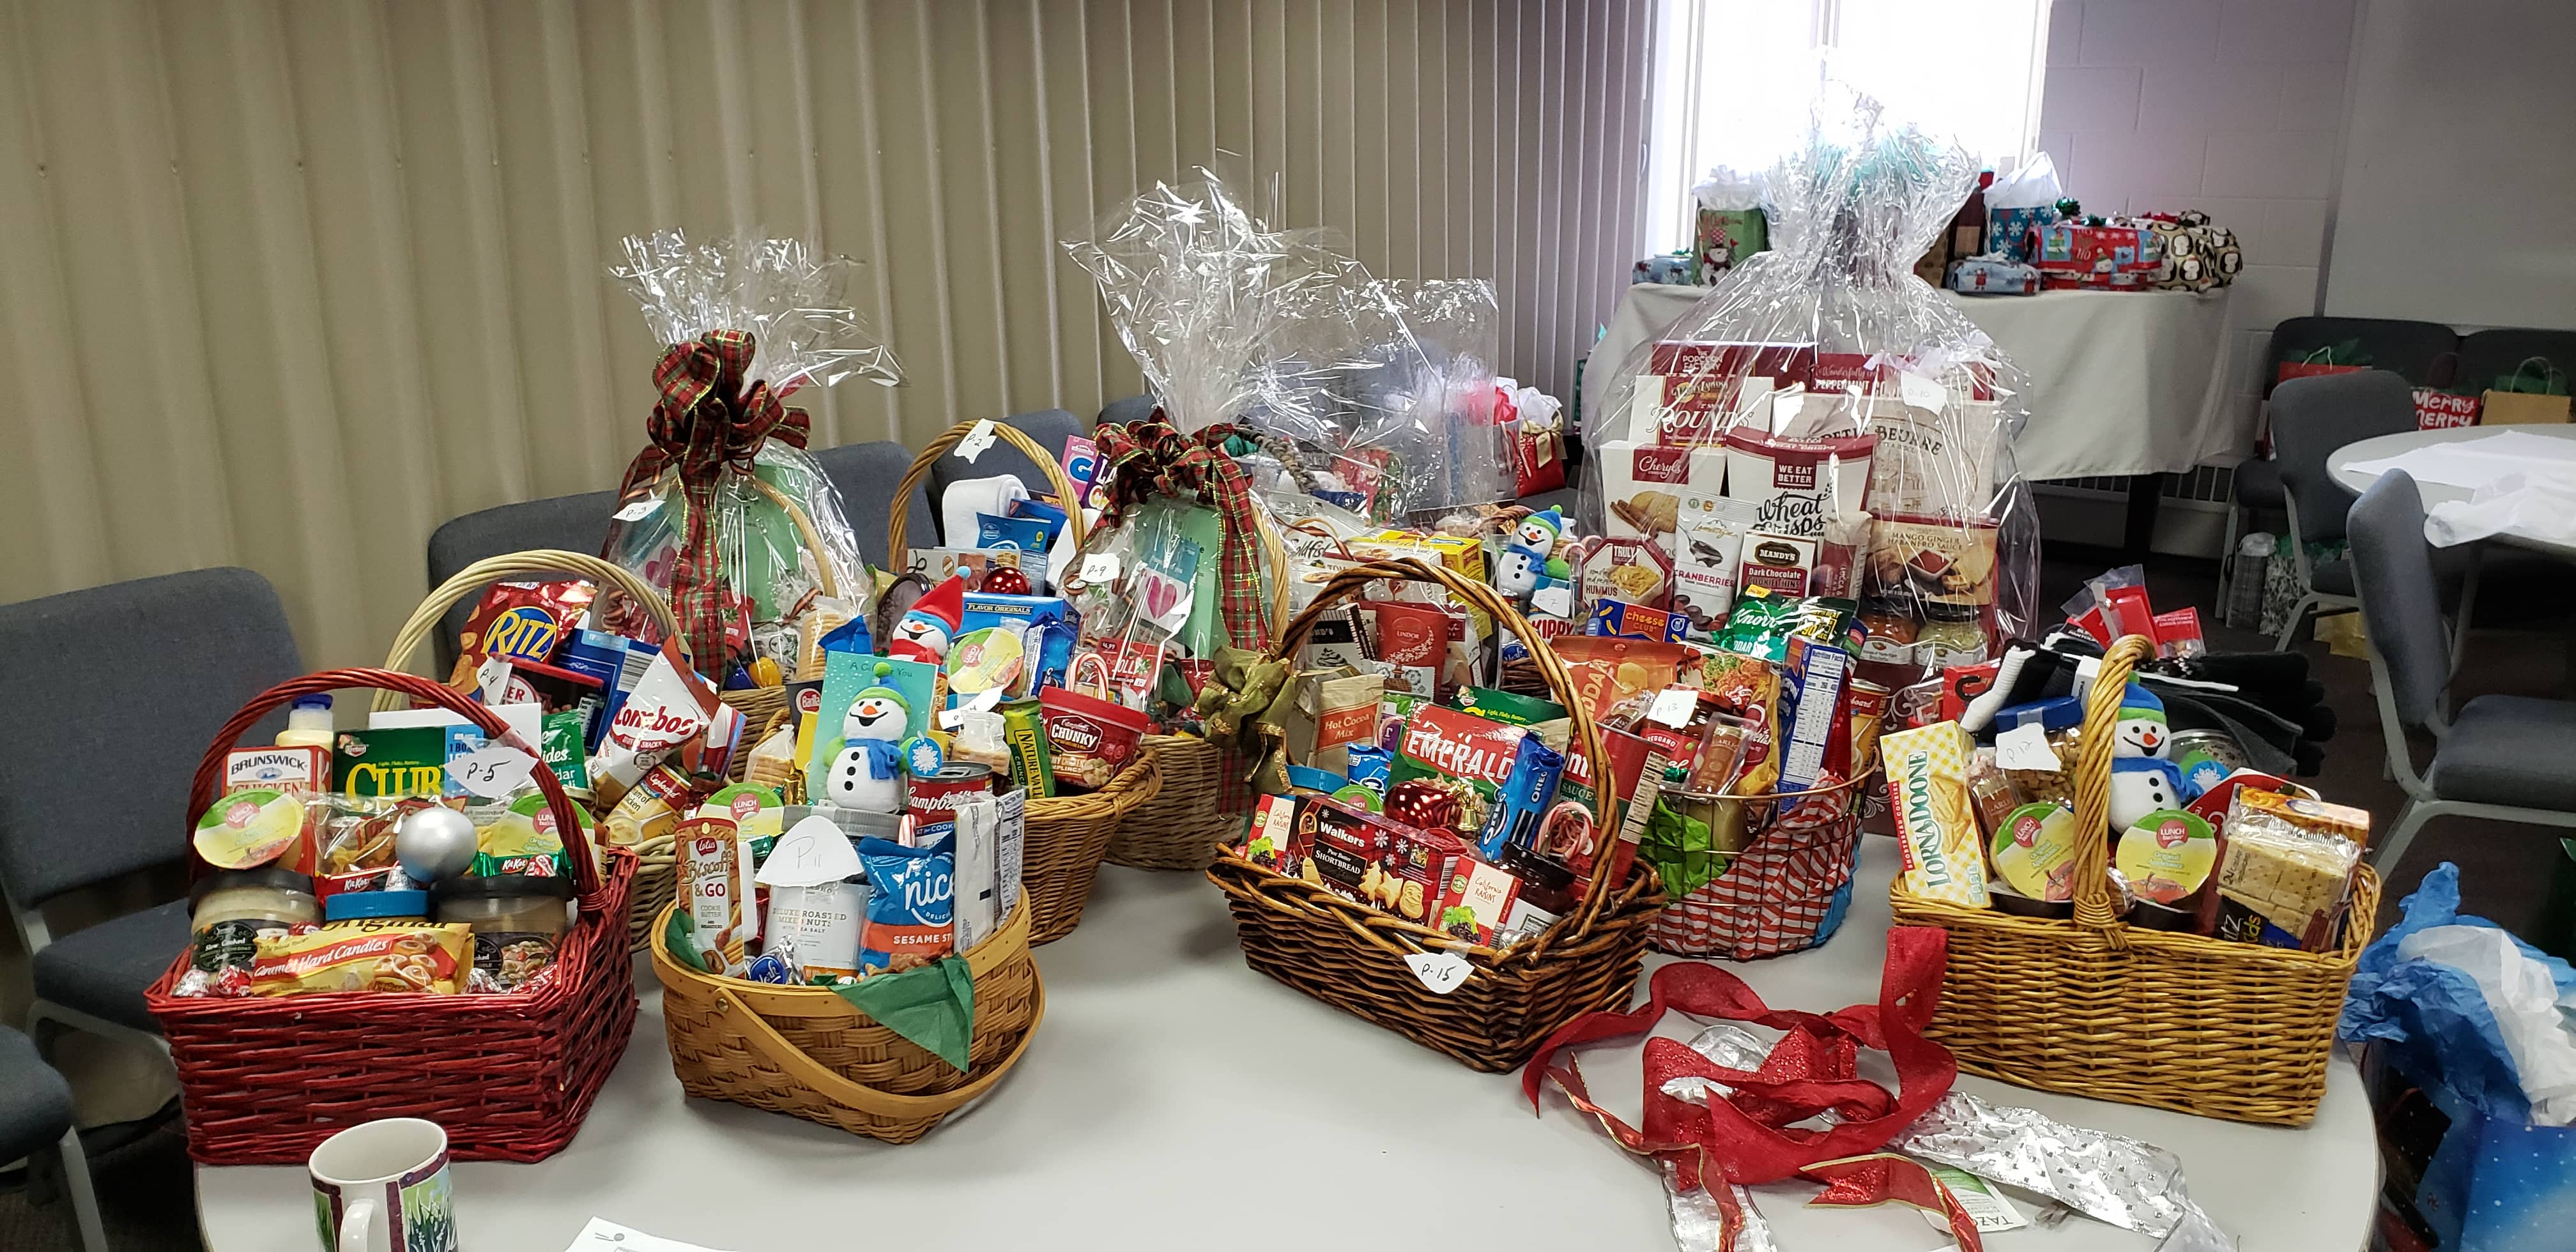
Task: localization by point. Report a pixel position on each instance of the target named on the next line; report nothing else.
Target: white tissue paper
(2511, 503)
(2528, 1010)
(2033, 186)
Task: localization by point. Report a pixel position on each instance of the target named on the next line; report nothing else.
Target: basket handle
(417, 632)
(1348, 585)
(2094, 907)
(774, 1047)
(897, 543)
(805, 532)
(210, 770)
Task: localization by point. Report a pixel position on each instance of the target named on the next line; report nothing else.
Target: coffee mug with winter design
(382, 1186)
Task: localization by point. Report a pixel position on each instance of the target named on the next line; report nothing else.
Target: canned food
(2218, 745)
(932, 799)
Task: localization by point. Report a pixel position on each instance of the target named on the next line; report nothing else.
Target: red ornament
(1004, 580)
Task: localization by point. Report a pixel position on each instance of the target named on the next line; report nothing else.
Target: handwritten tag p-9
(1439, 971)
(811, 853)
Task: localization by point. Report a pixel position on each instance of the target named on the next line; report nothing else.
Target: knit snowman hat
(877, 689)
(1550, 518)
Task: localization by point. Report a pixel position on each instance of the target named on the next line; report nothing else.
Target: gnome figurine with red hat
(923, 633)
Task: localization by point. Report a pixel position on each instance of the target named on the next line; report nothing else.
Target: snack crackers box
(1643, 484)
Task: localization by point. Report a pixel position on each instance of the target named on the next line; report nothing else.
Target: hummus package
(1893, 404)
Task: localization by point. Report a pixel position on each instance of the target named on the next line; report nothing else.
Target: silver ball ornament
(435, 844)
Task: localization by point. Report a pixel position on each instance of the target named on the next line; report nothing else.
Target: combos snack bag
(1927, 772)
(368, 955)
(669, 708)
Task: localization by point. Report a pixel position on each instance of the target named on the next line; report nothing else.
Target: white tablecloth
(2128, 382)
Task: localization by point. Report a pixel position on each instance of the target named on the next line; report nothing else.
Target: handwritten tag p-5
(493, 772)
(1439, 971)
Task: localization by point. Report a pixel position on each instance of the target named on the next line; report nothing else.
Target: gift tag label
(811, 853)
(494, 772)
(1673, 706)
(1983, 1204)
(492, 680)
(638, 511)
(1099, 568)
(976, 441)
(1553, 601)
(2026, 747)
(1439, 971)
(1920, 392)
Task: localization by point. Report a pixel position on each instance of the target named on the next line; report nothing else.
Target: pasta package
(1936, 823)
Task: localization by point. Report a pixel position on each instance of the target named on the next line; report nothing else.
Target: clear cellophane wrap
(1898, 445)
(724, 511)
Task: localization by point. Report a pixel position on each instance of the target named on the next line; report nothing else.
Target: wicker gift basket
(655, 879)
(1067, 835)
(807, 1052)
(509, 1075)
(1354, 957)
(2094, 1006)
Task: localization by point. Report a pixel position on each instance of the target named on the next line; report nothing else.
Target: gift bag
(1538, 439)
(2534, 393)
(2444, 410)
(2333, 358)
(724, 511)
(2017, 205)
(1730, 224)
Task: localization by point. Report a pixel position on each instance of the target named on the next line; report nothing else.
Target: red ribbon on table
(1751, 1136)
(707, 424)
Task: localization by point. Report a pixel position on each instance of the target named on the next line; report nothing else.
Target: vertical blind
(289, 282)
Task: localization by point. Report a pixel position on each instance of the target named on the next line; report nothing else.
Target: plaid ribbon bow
(1150, 457)
(706, 424)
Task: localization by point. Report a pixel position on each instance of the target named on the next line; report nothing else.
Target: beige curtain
(286, 283)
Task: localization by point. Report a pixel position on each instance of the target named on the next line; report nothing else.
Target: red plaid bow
(707, 424)
(1150, 457)
(1751, 1136)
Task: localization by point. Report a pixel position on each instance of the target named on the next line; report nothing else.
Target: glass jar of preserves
(228, 911)
(1952, 634)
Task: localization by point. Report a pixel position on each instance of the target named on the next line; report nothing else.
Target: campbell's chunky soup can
(1089, 739)
(932, 800)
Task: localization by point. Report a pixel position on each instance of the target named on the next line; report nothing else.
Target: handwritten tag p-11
(811, 853)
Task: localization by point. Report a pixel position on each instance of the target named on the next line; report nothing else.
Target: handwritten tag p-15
(1439, 971)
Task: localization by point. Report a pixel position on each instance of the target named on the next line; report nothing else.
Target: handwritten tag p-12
(1439, 971)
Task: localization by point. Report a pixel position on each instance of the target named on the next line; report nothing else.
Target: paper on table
(603, 1235)
(2545, 513)
(2480, 462)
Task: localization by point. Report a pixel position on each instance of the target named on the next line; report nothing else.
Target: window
(1733, 78)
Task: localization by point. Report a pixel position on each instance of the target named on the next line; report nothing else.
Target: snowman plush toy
(1516, 571)
(2142, 780)
(868, 773)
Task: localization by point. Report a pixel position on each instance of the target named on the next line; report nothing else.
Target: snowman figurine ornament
(1539, 532)
(923, 634)
(868, 773)
(1516, 572)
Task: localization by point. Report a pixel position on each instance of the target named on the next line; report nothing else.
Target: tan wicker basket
(1067, 835)
(2096, 1007)
(1182, 827)
(807, 1052)
(656, 882)
(1353, 957)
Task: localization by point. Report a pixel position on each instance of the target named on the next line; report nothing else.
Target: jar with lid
(228, 912)
(1890, 627)
(377, 906)
(517, 919)
(1952, 634)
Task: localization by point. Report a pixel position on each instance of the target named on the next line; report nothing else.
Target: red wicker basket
(262, 1080)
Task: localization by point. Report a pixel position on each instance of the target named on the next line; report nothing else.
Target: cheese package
(2285, 876)
(1927, 787)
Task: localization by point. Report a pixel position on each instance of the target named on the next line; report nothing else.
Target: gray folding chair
(1126, 410)
(36, 1123)
(120, 687)
(2311, 417)
(867, 474)
(2510, 758)
(569, 523)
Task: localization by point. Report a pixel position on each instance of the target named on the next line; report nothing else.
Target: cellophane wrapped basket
(1353, 957)
(509, 1076)
(1831, 419)
(1068, 835)
(724, 512)
(809, 1053)
(2096, 1007)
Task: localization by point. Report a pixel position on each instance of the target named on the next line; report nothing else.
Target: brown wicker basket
(1353, 957)
(1067, 835)
(807, 1052)
(2096, 1007)
(1182, 827)
(656, 882)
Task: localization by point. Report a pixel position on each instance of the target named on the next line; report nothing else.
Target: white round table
(1176, 1099)
(2339, 467)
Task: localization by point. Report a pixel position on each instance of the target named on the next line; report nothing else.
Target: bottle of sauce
(308, 723)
